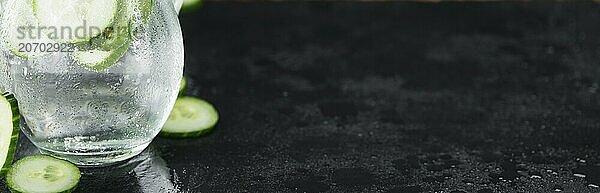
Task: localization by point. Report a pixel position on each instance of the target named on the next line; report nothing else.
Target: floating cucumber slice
(182, 86)
(9, 130)
(42, 174)
(113, 36)
(119, 33)
(21, 27)
(104, 50)
(99, 60)
(90, 17)
(190, 117)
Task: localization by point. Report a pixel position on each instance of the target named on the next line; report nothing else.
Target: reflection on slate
(383, 97)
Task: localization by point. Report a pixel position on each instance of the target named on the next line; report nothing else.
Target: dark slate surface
(383, 97)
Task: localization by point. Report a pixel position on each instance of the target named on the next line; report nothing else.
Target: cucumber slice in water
(99, 60)
(85, 18)
(190, 117)
(9, 130)
(103, 51)
(20, 29)
(112, 37)
(119, 33)
(41, 174)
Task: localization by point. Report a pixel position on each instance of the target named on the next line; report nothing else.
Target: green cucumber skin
(188, 134)
(15, 51)
(66, 191)
(120, 41)
(20, 55)
(146, 8)
(16, 120)
(81, 41)
(182, 86)
(114, 58)
(191, 7)
(118, 44)
(120, 37)
(201, 131)
(116, 39)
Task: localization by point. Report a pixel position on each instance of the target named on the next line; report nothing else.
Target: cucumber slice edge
(102, 63)
(67, 167)
(182, 86)
(190, 5)
(106, 24)
(179, 129)
(11, 142)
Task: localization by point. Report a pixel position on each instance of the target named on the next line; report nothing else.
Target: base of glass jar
(96, 159)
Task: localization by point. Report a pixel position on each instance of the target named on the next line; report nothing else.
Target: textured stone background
(383, 97)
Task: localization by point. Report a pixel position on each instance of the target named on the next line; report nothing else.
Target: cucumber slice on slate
(191, 117)
(42, 174)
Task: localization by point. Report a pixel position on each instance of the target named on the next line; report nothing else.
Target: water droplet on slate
(535, 174)
(579, 175)
(468, 182)
(557, 188)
